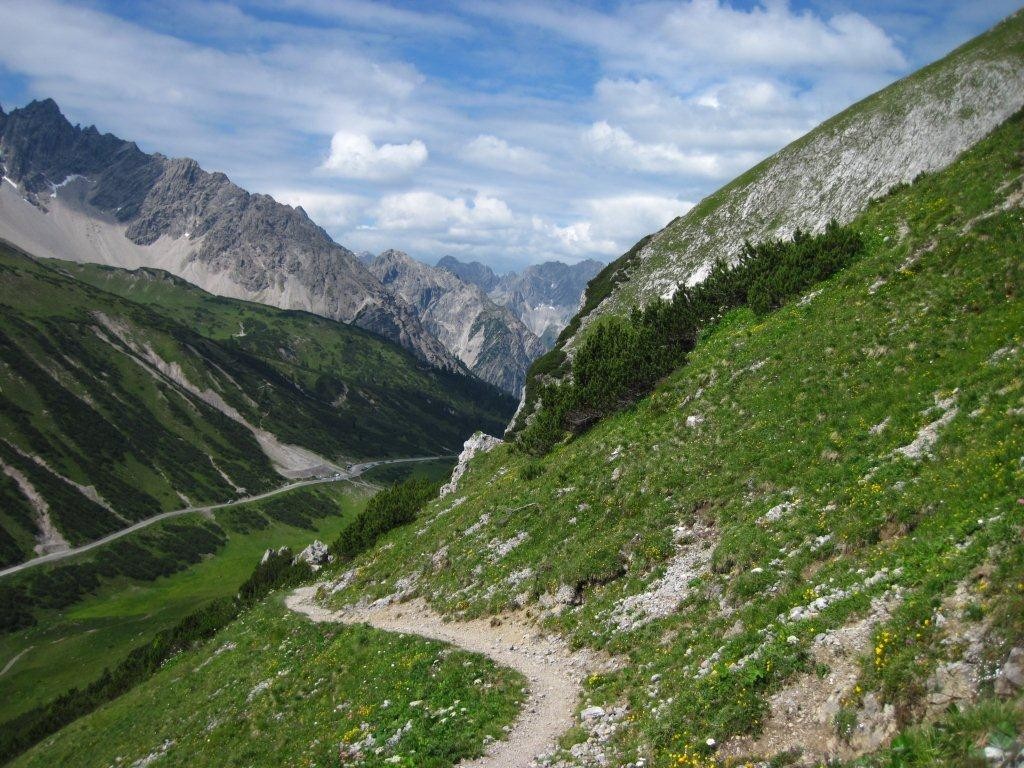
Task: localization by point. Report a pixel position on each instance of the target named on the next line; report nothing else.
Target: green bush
(388, 509)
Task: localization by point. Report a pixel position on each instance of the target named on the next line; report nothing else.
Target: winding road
(351, 473)
(554, 673)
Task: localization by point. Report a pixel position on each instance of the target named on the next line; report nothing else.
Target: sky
(506, 132)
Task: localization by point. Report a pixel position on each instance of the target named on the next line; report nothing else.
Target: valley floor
(353, 472)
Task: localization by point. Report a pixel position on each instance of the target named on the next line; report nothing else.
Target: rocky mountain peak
(470, 272)
(491, 340)
(157, 211)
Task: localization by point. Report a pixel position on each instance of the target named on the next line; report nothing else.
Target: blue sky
(506, 132)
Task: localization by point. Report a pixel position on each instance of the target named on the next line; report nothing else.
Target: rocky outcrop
(472, 272)
(316, 555)
(150, 210)
(477, 443)
(490, 340)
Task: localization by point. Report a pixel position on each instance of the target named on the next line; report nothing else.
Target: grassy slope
(273, 689)
(71, 647)
(71, 393)
(724, 219)
(788, 405)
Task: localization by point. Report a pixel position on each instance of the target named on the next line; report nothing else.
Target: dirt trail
(554, 674)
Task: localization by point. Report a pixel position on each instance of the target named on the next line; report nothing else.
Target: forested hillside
(116, 407)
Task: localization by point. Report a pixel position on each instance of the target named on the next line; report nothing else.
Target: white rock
(477, 443)
(315, 555)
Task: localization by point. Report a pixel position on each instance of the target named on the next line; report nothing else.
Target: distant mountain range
(97, 198)
(544, 296)
(490, 339)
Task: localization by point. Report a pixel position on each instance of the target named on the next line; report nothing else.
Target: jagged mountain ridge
(918, 124)
(98, 198)
(544, 296)
(493, 343)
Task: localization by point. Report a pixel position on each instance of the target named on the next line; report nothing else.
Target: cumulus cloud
(354, 156)
(685, 39)
(422, 210)
(610, 225)
(630, 217)
(493, 152)
(618, 146)
(328, 209)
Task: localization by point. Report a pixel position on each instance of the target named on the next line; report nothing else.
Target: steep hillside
(491, 340)
(97, 198)
(808, 539)
(544, 296)
(916, 125)
(113, 410)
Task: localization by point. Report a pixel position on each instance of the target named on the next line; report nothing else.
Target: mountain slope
(113, 410)
(919, 124)
(805, 540)
(97, 198)
(492, 342)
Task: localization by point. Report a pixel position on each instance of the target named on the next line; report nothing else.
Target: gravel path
(350, 474)
(554, 674)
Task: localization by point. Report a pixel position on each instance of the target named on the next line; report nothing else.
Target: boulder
(315, 555)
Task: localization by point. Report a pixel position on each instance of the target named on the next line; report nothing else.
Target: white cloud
(630, 217)
(683, 40)
(737, 120)
(493, 152)
(577, 239)
(431, 211)
(610, 225)
(617, 145)
(354, 156)
(328, 209)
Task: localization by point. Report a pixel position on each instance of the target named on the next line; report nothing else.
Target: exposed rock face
(491, 341)
(91, 190)
(315, 555)
(544, 296)
(477, 443)
(919, 124)
(472, 272)
(269, 553)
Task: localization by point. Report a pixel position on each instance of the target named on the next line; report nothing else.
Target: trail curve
(553, 672)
